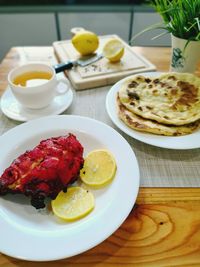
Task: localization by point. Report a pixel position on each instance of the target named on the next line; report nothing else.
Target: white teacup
(36, 96)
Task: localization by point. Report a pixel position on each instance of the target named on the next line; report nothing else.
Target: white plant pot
(185, 57)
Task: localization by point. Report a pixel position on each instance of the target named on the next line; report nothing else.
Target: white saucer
(13, 110)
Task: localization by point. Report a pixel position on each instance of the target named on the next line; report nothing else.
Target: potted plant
(181, 18)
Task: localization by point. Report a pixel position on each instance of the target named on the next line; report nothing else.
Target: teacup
(35, 85)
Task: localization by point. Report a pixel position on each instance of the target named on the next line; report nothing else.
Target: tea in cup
(35, 85)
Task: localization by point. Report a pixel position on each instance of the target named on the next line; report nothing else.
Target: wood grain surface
(163, 233)
(163, 228)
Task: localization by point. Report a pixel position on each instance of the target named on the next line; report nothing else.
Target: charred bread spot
(156, 81)
(147, 80)
(172, 78)
(174, 91)
(140, 78)
(133, 84)
(189, 94)
(155, 114)
(155, 92)
(135, 124)
(128, 118)
(148, 107)
(133, 95)
(162, 84)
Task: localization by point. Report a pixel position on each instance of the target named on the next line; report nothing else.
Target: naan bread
(144, 125)
(172, 98)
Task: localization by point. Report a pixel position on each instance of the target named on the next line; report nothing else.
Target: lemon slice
(99, 168)
(74, 204)
(85, 42)
(113, 50)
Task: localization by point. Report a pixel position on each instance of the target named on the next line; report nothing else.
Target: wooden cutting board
(102, 72)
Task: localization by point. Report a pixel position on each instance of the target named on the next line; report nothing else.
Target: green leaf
(180, 17)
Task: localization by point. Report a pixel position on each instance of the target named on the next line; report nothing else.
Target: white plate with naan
(189, 141)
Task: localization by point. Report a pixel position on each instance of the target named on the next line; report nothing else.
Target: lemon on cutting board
(99, 168)
(85, 42)
(113, 50)
(75, 204)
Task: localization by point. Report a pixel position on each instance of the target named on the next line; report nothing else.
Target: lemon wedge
(113, 50)
(74, 204)
(85, 42)
(99, 168)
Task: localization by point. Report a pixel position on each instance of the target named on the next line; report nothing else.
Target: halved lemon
(99, 168)
(113, 50)
(74, 204)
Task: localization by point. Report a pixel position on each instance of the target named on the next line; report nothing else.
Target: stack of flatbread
(165, 105)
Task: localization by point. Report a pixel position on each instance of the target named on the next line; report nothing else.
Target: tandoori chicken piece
(45, 170)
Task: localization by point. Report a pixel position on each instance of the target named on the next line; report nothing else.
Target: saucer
(14, 110)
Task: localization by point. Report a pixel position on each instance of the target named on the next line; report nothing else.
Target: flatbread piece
(172, 98)
(138, 123)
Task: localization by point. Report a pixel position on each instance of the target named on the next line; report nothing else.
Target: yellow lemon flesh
(113, 50)
(85, 42)
(99, 168)
(74, 204)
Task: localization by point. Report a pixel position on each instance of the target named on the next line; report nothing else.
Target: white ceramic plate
(28, 234)
(189, 141)
(14, 110)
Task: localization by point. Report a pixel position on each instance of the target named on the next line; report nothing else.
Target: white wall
(26, 29)
(40, 29)
(100, 23)
(143, 20)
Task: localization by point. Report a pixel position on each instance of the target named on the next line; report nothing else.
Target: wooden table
(163, 228)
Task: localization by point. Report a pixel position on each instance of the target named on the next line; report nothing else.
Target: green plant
(180, 17)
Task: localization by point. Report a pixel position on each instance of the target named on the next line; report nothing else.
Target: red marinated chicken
(44, 171)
